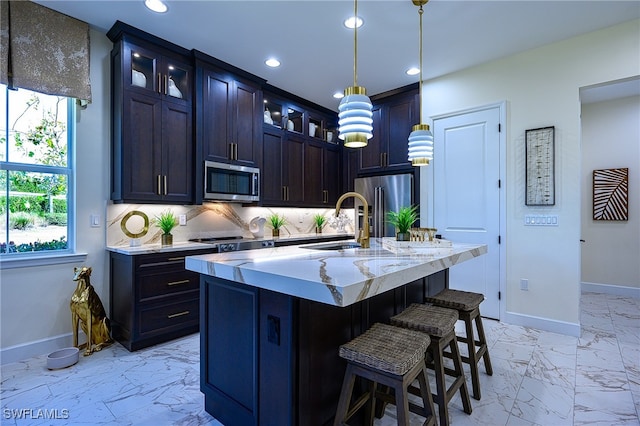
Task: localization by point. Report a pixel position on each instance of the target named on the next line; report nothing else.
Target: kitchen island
(271, 321)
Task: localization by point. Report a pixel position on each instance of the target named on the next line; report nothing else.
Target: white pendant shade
(420, 145)
(355, 118)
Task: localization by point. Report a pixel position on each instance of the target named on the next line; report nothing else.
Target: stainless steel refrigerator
(383, 193)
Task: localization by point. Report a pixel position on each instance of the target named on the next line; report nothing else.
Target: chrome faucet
(363, 235)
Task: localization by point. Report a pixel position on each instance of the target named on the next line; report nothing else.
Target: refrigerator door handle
(378, 212)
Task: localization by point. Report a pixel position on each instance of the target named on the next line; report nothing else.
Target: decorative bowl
(62, 358)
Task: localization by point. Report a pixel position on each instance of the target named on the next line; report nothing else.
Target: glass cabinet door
(176, 80)
(295, 119)
(143, 69)
(272, 111)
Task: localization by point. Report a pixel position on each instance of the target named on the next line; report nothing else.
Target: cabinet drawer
(165, 317)
(163, 283)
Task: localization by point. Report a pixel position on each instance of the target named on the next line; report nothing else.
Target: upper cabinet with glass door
(152, 72)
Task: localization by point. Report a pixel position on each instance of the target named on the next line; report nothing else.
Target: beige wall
(541, 88)
(611, 139)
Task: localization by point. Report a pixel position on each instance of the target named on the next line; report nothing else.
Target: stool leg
(483, 343)
(402, 405)
(425, 393)
(473, 356)
(441, 386)
(345, 396)
(459, 372)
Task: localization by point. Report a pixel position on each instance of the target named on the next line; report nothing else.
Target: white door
(466, 198)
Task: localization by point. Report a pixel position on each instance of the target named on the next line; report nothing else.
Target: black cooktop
(214, 239)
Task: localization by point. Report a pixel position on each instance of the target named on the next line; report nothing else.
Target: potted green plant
(166, 221)
(276, 221)
(319, 220)
(403, 220)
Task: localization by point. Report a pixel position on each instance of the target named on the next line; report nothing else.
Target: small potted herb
(403, 220)
(276, 221)
(166, 221)
(319, 220)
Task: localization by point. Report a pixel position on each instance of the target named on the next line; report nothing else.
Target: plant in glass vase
(166, 221)
(276, 221)
(319, 220)
(403, 220)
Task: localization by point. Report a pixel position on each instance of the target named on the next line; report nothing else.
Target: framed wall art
(611, 194)
(540, 167)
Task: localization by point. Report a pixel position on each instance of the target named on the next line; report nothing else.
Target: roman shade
(44, 50)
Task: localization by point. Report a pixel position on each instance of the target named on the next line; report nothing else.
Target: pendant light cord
(355, 44)
(420, 12)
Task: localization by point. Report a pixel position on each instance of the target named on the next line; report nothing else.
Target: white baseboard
(39, 347)
(618, 290)
(554, 326)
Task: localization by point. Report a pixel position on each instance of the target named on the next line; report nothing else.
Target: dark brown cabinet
(153, 298)
(322, 179)
(394, 114)
(300, 167)
(283, 168)
(231, 121)
(151, 113)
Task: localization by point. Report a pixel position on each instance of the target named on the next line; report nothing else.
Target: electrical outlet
(182, 219)
(524, 284)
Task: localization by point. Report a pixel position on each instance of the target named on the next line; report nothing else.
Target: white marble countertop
(190, 245)
(335, 277)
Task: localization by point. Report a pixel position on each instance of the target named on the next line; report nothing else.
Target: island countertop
(334, 277)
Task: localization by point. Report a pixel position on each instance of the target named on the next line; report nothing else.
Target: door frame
(428, 185)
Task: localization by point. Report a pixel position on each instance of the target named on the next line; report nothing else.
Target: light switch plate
(94, 220)
(182, 219)
(541, 220)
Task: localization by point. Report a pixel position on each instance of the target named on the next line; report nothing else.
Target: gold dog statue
(87, 309)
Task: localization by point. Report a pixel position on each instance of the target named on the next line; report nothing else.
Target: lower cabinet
(267, 358)
(153, 298)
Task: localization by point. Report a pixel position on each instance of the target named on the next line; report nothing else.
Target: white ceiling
(316, 50)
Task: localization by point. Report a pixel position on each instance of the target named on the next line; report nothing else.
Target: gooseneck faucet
(363, 236)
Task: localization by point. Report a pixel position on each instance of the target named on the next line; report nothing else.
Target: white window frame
(47, 257)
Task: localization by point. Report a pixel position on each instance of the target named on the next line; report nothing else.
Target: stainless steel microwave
(230, 182)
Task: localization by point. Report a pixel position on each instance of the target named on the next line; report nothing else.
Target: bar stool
(468, 306)
(390, 356)
(439, 323)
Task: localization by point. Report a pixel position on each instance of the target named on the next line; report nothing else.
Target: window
(36, 173)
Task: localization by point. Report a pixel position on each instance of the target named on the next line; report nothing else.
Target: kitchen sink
(338, 245)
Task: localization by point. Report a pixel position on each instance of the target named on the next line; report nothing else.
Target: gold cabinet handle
(179, 314)
(235, 151)
(287, 193)
(176, 258)
(165, 184)
(178, 282)
(166, 83)
(159, 83)
(158, 184)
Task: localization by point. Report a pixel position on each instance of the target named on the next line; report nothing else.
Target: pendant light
(355, 116)
(421, 138)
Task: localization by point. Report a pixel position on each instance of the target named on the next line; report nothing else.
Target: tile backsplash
(213, 220)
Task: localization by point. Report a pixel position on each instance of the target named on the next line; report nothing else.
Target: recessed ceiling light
(413, 71)
(352, 21)
(338, 95)
(156, 5)
(272, 62)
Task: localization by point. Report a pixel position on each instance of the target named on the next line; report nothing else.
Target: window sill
(26, 261)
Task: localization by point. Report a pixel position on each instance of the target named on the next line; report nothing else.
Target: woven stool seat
(468, 306)
(456, 299)
(440, 324)
(441, 320)
(387, 348)
(394, 358)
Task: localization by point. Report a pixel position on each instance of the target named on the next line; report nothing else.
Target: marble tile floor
(540, 378)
